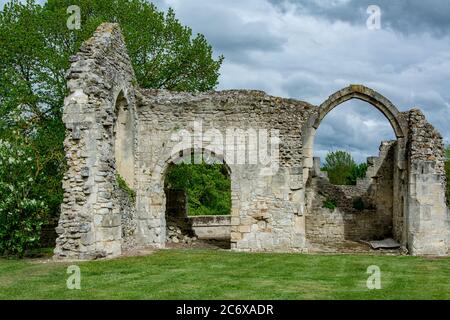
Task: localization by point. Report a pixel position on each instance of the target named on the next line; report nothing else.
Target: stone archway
(152, 201)
(366, 94)
(360, 92)
(388, 176)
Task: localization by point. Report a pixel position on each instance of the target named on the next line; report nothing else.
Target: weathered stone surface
(363, 212)
(115, 128)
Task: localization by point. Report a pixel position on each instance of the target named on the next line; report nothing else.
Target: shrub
(22, 210)
(330, 204)
(124, 186)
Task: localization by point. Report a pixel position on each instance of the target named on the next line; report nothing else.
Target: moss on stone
(124, 186)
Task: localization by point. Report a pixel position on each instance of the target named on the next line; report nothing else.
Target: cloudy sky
(308, 49)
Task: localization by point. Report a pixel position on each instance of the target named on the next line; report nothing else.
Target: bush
(22, 210)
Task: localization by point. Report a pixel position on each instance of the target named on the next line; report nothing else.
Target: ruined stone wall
(128, 223)
(90, 222)
(427, 222)
(380, 175)
(400, 184)
(325, 225)
(363, 211)
(115, 128)
(266, 209)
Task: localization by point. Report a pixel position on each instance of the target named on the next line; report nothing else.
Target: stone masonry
(362, 212)
(116, 130)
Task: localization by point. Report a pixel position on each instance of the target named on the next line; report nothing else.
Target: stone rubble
(175, 235)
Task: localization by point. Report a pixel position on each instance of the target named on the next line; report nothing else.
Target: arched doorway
(372, 209)
(197, 187)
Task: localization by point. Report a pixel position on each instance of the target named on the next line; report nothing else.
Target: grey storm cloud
(228, 32)
(408, 16)
(310, 49)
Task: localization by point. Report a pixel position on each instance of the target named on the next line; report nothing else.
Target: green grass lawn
(212, 274)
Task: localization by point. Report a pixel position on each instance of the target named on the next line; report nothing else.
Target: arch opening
(197, 188)
(368, 95)
(354, 202)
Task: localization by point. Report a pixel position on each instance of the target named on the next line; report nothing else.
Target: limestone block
(245, 229)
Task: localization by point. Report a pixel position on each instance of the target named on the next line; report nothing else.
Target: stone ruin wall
(212, 227)
(107, 117)
(266, 210)
(428, 220)
(91, 214)
(348, 221)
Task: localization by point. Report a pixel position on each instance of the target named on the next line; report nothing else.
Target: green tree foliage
(447, 171)
(164, 53)
(35, 46)
(358, 171)
(22, 209)
(208, 187)
(342, 169)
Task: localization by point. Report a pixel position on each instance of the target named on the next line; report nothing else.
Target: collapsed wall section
(90, 222)
(353, 212)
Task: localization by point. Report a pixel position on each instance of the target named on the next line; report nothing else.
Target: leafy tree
(339, 165)
(22, 210)
(35, 46)
(358, 171)
(164, 53)
(208, 187)
(342, 169)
